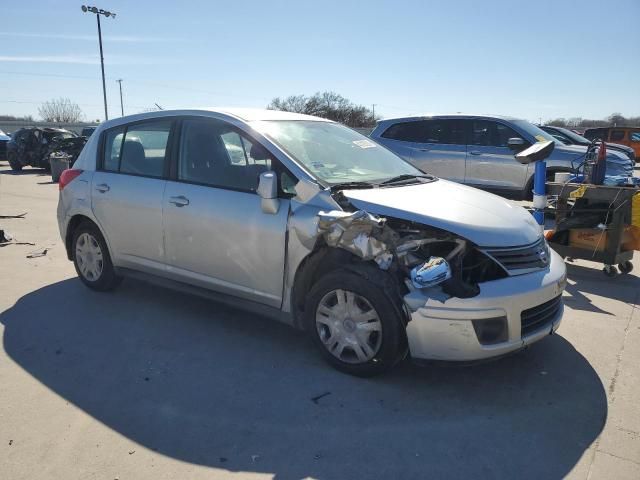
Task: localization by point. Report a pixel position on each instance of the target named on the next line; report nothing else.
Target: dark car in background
(4, 139)
(31, 146)
(569, 137)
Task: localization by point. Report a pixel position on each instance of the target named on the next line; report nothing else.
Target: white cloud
(76, 59)
(92, 38)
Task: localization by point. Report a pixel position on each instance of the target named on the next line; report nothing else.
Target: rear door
(216, 234)
(490, 162)
(127, 191)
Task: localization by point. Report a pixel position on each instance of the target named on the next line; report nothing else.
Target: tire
(15, 165)
(92, 260)
(357, 349)
(625, 267)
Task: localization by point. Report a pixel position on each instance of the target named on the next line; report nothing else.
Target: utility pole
(121, 105)
(98, 12)
(373, 108)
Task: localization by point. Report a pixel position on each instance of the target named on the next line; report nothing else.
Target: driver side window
(217, 154)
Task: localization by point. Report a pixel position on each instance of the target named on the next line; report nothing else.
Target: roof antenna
(159, 107)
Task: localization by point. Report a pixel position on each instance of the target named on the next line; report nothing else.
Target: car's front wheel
(355, 324)
(14, 163)
(91, 259)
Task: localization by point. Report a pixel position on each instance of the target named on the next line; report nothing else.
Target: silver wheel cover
(348, 326)
(89, 257)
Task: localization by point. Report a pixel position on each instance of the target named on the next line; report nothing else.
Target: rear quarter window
(635, 136)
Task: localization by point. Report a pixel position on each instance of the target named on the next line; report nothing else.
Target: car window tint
(215, 153)
(481, 133)
(444, 131)
(616, 135)
(112, 147)
(502, 135)
(406, 131)
(635, 136)
(144, 148)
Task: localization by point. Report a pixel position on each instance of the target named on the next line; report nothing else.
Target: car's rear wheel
(15, 165)
(91, 259)
(355, 324)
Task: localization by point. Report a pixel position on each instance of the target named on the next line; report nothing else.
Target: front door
(126, 193)
(216, 234)
(490, 162)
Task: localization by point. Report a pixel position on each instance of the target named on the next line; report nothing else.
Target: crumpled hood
(483, 218)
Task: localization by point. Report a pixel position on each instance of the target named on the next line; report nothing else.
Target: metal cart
(614, 205)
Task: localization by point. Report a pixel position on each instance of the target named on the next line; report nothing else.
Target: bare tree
(60, 110)
(327, 105)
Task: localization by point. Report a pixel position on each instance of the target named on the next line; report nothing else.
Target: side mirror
(536, 152)
(268, 192)
(516, 144)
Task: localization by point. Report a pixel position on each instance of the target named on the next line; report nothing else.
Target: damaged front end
(429, 262)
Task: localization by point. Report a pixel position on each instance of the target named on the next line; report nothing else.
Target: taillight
(67, 176)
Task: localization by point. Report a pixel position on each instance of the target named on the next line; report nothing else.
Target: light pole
(98, 12)
(121, 105)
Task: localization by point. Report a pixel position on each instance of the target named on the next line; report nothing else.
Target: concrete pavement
(147, 383)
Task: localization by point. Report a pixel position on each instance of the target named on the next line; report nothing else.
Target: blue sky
(542, 59)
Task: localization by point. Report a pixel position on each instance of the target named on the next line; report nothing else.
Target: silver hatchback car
(307, 221)
(479, 150)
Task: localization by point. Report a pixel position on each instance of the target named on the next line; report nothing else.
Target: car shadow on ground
(211, 385)
(583, 279)
(25, 171)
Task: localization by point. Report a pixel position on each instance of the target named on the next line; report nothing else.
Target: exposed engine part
(425, 257)
(358, 232)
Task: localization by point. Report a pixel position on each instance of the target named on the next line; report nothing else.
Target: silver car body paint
(264, 272)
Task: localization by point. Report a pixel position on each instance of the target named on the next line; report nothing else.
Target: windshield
(334, 153)
(573, 135)
(539, 134)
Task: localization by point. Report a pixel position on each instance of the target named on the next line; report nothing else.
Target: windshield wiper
(347, 185)
(406, 176)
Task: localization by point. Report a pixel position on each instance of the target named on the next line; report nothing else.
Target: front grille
(538, 317)
(519, 260)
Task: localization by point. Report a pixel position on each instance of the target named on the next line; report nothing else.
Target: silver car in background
(479, 150)
(305, 220)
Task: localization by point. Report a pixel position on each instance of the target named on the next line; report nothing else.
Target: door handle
(475, 152)
(179, 201)
(102, 187)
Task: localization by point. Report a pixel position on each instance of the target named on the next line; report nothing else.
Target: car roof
(447, 115)
(244, 114)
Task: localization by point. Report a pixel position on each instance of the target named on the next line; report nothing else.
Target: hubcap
(89, 257)
(348, 326)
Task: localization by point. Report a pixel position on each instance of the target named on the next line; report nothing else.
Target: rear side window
(112, 147)
(443, 131)
(406, 131)
(616, 135)
(138, 149)
(635, 136)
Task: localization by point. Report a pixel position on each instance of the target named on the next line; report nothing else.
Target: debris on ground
(317, 399)
(21, 215)
(37, 254)
(7, 239)
(131, 452)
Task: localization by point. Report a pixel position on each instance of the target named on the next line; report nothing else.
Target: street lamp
(98, 12)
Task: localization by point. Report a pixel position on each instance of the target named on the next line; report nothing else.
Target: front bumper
(444, 330)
